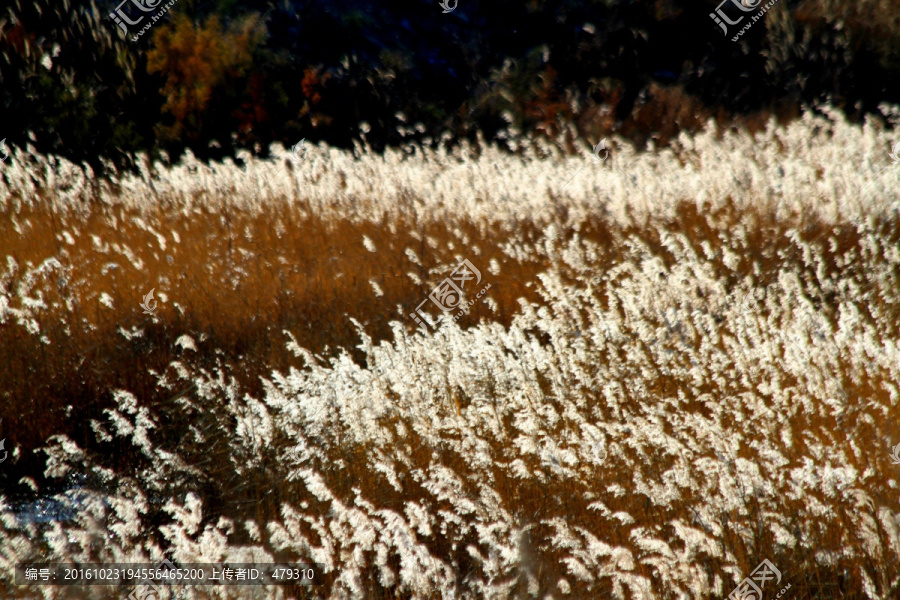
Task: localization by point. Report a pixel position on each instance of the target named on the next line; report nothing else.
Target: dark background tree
(216, 76)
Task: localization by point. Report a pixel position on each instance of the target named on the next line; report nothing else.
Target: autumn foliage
(200, 64)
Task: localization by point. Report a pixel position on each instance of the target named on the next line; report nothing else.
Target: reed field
(687, 362)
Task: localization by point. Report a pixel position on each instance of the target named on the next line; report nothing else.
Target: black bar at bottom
(156, 574)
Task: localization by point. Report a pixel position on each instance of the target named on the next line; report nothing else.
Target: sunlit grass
(685, 364)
